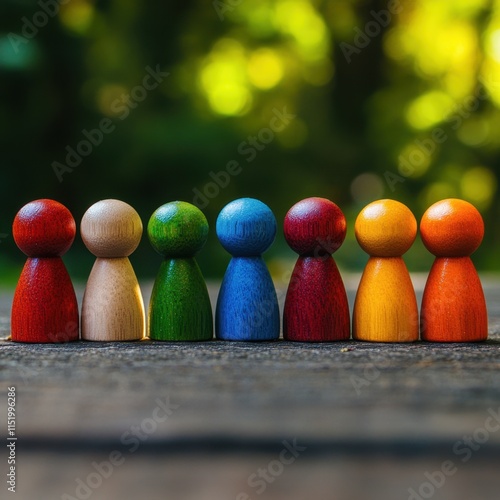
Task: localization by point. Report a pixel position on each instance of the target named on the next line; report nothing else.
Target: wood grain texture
(452, 228)
(44, 308)
(385, 228)
(180, 308)
(111, 228)
(247, 305)
(246, 227)
(44, 228)
(385, 308)
(112, 308)
(316, 307)
(453, 304)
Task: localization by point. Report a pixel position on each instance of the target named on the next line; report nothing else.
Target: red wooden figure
(316, 307)
(45, 308)
(453, 304)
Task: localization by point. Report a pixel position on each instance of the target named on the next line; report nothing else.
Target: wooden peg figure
(316, 307)
(112, 308)
(45, 308)
(247, 306)
(180, 308)
(385, 309)
(453, 304)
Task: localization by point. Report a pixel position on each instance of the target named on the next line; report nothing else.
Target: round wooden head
(111, 229)
(246, 227)
(385, 228)
(177, 229)
(315, 226)
(44, 228)
(452, 228)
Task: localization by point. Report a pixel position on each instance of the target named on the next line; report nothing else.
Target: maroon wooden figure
(45, 308)
(316, 307)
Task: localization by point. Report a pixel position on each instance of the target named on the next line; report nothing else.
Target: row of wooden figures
(453, 308)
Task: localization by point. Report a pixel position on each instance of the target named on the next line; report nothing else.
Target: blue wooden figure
(247, 306)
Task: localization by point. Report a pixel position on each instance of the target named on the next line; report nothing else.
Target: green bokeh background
(371, 85)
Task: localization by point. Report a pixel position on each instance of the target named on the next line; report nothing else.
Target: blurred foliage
(391, 99)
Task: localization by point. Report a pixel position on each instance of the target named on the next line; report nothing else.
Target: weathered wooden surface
(373, 417)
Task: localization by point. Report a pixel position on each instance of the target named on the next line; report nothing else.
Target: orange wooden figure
(453, 304)
(385, 309)
(44, 307)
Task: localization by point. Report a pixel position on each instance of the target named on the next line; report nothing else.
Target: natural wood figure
(316, 307)
(453, 304)
(180, 307)
(113, 308)
(385, 309)
(247, 305)
(45, 307)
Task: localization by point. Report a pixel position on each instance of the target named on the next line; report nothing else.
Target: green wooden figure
(180, 308)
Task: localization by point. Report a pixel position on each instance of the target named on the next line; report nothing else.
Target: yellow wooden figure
(385, 309)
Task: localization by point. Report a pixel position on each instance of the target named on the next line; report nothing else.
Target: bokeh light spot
(415, 160)
(478, 185)
(265, 69)
(109, 99)
(437, 191)
(77, 15)
(229, 99)
(367, 187)
(494, 45)
(223, 79)
(429, 109)
(15, 54)
(474, 132)
(299, 19)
